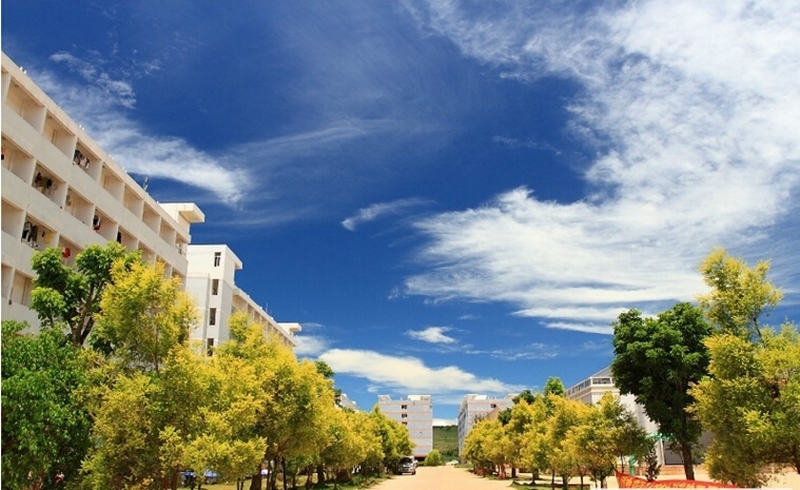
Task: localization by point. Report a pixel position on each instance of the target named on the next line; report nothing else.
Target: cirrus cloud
(695, 113)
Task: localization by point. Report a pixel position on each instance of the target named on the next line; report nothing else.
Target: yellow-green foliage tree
(229, 444)
(149, 408)
(346, 447)
(751, 398)
(395, 440)
(527, 428)
(564, 415)
(751, 402)
(294, 397)
(591, 441)
(476, 449)
(144, 316)
(739, 294)
(497, 445)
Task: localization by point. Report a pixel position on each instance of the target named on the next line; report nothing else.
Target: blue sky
(450, 197)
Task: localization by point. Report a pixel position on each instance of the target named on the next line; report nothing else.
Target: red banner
(628, 481)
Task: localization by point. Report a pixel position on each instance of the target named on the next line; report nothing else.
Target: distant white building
(474, 407)
(415, 413)
(61, 189)
(592, 389)
(211, 283)
(346, 402)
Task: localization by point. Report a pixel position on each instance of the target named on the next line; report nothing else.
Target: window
(403, 407)
(214, 287)
(212, 316)
(217, 258)
(403, 415)
(210, 346)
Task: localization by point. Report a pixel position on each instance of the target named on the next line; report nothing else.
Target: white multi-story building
(474, 407)
(415, 413)
(211, 283)
(60, 189)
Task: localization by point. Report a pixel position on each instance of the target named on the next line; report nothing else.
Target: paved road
(442, 478)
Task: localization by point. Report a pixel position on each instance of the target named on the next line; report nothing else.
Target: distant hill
(445, 439)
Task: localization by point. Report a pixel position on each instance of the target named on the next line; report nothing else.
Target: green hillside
(445, 439)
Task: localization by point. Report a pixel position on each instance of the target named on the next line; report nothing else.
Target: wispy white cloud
(409, 374)
(433, 335)
(133, 147)
(310, 345)
(526, 352)
(525, 143)
(695, 112)
(379, 210)
(118, 90)
(582, 327)
(444, 422)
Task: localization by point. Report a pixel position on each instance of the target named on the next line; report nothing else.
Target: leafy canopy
(657, 360)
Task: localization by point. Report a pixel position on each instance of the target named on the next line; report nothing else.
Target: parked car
(407, 465)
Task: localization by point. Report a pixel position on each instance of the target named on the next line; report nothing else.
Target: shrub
(434, 458)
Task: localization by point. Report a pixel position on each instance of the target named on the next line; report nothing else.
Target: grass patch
(445, 439)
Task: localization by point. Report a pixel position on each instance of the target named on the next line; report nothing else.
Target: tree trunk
(255, 481)
(688, 461)
(513, 472)
(552, 479)
(283, 469)
(309, 477)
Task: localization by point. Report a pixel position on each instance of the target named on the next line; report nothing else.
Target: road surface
(442, 478)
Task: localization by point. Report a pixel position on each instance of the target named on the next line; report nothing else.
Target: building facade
(415, 413)
(60, 189)
(592, 389)
(474, 407)
(211, 284)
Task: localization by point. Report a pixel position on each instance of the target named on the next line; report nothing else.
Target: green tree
(70, 296)
(45, 426)
(526, 395)
(554, 386)
(739, 294)
(751, 402)
(657, 360)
